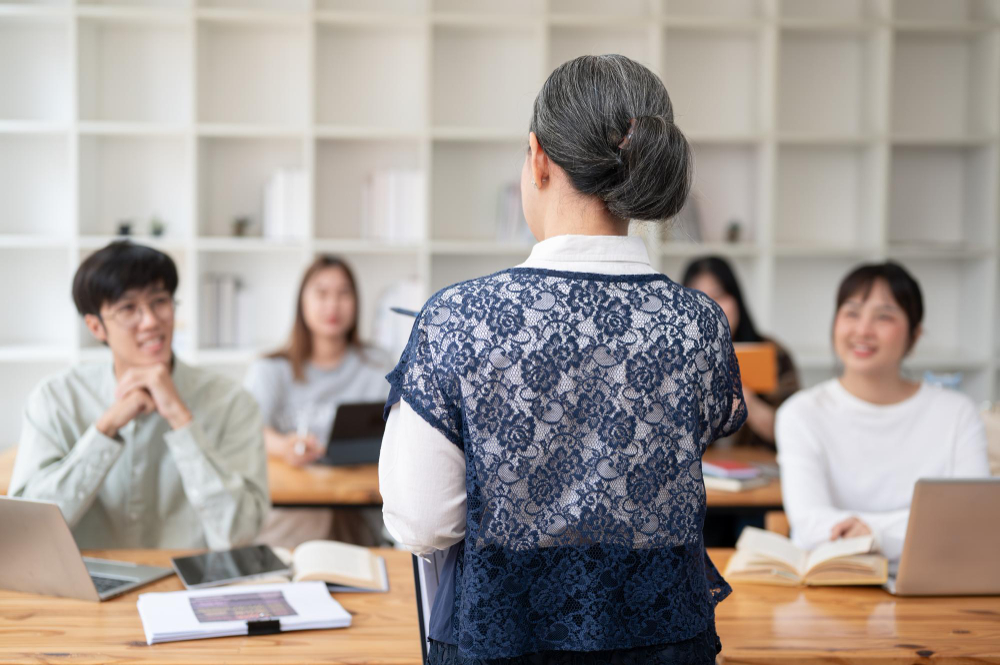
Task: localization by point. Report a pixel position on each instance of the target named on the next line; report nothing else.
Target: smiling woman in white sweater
(852, 448)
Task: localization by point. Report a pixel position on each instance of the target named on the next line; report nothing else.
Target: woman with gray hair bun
(546, 423)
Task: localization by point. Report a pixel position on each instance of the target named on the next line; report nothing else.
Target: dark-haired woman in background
(851, 449)
(549, 420)
(714, 277)
(299, 388)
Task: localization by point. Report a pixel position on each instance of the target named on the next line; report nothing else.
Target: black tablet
(218, 568)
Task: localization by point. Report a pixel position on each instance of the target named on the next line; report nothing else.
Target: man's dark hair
(107, 274)
(905, 289)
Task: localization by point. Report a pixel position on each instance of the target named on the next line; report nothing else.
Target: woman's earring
(535, 184)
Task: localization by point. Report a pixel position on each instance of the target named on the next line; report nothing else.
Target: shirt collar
(571, 248)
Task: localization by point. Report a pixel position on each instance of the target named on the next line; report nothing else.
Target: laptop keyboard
(105, 584)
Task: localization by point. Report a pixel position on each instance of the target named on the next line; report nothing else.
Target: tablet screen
(214, 568)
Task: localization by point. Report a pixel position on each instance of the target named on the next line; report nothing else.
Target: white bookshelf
(832, 132)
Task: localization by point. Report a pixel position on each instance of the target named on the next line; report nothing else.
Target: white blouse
(421, 473)
(841, 456)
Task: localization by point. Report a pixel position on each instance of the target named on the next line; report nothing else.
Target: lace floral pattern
(583, 404)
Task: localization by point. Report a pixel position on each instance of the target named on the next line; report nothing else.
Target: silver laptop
(39, 555)
(952, 540)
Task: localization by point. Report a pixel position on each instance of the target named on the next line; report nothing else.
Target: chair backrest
(991, 419)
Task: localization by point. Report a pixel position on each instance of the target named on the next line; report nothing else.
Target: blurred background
(245, 136)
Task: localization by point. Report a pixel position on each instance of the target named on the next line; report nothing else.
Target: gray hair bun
(607, 121)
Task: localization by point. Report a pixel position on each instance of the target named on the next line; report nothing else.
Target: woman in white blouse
(852, 448)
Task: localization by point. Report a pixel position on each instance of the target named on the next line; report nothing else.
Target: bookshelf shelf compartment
(942, 85)
(134, 71)
(133, 179)
(566, 43)
(42, 314)
(826, 197)
(381, 70)
(391, 7)
(233, 175)
(713, 9)
(471, 211)
(600, 8)
(953, 326)
(266, 311)
(840, 10)
(731, 60)
(511, 7)
(34, 186)
(252, 74)
(943, 196)
(485, 78)
(952, 11)
(35, 70)
(827, 84)
(725, 190)
(344, 169)
(271, 5)
(804, 292)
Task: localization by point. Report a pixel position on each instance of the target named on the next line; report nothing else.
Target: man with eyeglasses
(143, 451)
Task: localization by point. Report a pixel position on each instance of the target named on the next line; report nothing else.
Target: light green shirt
(203, 485)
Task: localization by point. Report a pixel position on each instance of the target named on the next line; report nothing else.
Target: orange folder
(758, 365)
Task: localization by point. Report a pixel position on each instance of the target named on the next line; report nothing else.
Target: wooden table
(760, 498)
(358, 485)
(757, 624)
(38, 629)
(323, 486)
(769, 624)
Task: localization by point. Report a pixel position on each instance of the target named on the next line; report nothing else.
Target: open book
(342, 566)
(769, 558)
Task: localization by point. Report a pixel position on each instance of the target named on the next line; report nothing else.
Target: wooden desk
(358, 485)
(765, 624)
(323, 486)
(761, 498)
(38, 629)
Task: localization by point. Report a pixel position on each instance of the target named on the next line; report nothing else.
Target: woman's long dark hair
(720, 269)
(299, 348)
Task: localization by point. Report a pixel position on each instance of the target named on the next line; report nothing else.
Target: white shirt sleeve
(421, 477)
(971, 456)
(805, 488)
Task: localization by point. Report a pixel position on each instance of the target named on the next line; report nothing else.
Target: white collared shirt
(422, 473)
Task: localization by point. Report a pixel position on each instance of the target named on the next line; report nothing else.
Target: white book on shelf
(284, 214)
(243, 316)
(227, 310)
(209, 310)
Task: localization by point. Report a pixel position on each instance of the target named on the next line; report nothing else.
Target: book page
(774, 546)
(855, 569)
(340, 563)
(839, 548)
(747, 566)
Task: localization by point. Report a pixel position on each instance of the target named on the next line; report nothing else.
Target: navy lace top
(583, 404)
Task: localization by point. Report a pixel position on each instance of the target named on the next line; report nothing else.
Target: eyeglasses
(129, 315)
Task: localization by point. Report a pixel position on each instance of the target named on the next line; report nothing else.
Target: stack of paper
(393, 206)
(228, 611)
(285, 195)
(226, 305)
